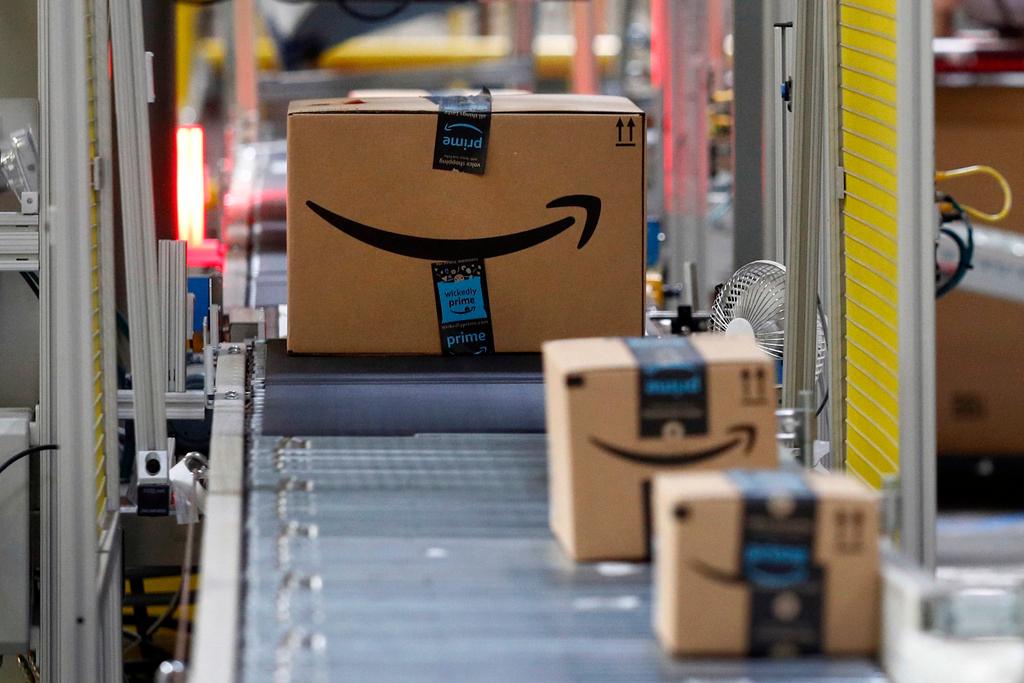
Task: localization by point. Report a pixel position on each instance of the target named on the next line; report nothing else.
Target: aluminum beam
(130, 88)
(916, 154)
(216, 642)
(806, 211)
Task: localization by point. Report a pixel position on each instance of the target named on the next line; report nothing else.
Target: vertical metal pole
(105, 166)
(835, 301)
(685, 133)
(244, 43)
(68, 562)
(584, 65)
(148, 369)
(915, 149)
(748, 142)
(158, 38)
(802, 265)
(770, 116)
(785, 147)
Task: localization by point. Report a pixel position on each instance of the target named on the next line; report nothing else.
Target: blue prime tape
(463, 309)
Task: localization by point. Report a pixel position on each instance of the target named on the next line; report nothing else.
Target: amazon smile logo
(745, 434)
(438, 249)
(449, 127)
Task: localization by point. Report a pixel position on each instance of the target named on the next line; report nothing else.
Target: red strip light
(191, 186)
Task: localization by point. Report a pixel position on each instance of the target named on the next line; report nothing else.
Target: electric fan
(753, 303)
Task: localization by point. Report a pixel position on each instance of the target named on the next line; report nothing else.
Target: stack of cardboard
(751, 561)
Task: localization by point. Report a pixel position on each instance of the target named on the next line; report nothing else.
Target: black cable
(32, 283)
(824, 334)
(965, 248)
(28, 451)
(957, 275)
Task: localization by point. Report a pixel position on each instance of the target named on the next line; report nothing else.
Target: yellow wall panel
(866, 40)
(870, 215)
(868, 120)
(868, 168)
(885, 8)
(865, 234)
(856, 60)
(863, 126)
(864, 19)
(854, 80)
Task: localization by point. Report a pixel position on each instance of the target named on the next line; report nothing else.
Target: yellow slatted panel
(99, 428)
(867, 60)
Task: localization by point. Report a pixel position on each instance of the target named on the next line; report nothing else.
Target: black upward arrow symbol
(630, 126)
(618, 125)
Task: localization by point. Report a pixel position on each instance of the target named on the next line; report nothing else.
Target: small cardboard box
(621, 410)
(979, 370)
(463, 225)
(766, 564)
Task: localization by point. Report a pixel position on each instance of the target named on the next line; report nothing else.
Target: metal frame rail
(216, 637)
(421, 558)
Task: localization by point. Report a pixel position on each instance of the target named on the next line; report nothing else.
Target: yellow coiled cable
(981, 170)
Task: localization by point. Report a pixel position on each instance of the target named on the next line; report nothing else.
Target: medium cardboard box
(621, 410)
(766, 564)
(538, 234)
(979, 385)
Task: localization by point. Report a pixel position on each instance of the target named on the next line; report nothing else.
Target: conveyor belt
(431, 560)
(427, 558)
(401, 395)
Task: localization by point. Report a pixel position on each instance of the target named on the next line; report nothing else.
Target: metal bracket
(153, 484)
(796, 429)
(19, 242)
(97, 173)
(180, 405)
(29, 203)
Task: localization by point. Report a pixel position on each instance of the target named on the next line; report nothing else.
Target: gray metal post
(806, 206)
(130, 86)
(834, 277)
(748, 137)
(915, 149)
(69, 619)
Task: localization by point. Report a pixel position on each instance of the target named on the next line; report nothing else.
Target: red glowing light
(191, 186)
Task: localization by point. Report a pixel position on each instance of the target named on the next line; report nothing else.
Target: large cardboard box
(979, 368)
(766, 564)
(621, 410)
(459, 225)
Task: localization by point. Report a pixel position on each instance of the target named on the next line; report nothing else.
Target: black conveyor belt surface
(401, 395)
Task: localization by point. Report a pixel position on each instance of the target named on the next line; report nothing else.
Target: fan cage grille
(757, 293)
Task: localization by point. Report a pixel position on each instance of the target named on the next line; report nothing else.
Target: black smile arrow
(716, 574)
(767, 575)
(436, 249)
(746, 433)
